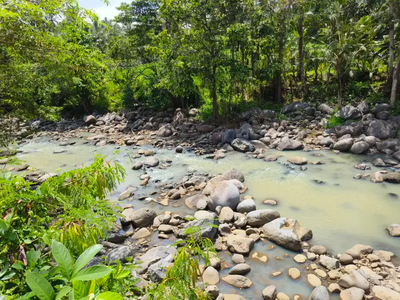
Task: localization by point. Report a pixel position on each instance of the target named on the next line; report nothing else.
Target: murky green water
(341, 211)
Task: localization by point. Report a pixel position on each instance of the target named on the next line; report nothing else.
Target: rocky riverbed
(264, 252)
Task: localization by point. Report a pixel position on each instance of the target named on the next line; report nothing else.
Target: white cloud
(101, 9)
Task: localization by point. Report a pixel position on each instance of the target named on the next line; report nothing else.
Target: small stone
(238, 281)
(318, 250)
(276, 274)
(334, 288)
(345, 281)
(298, 160)
(240, 269)
(294, 273)
(211, 276)
(141, 233)
(313, 280)
(319, 293)
(212, 291)
(329, 262)
(238, 258)
(352, 294)
(300, 258)
(260, 257)
(346, 259)
(282, 296)
(269, 293)
(321, 273)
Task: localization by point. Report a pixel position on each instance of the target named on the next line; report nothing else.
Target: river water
(340, 210)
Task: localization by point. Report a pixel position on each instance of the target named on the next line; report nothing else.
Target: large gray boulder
(258, 218)
(382, 129)
(228, 136)
(326, 109)
(349, 112)
(165, 131)
(288, 144)
(208, 228)
(120, 254)
(392, 177)
(343, 145)
(295, 106)
(354, 129)
(225, 193)
(381, 107)
(89, 120)
(242, 145)
(287, 233)
(142, 217)
(359, 147)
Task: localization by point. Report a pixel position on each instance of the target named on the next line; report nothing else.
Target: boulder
(287, 233)
(120, 254)
(392, 177)
(363, 107)
(359, 147)
(394, 230)
(151, 161)
(246, 206)
(239, 244)
(238, 281)
(352, 294)
(343, 145)
(359, 280)
(240, 269)
(326, 141)
(142, 217)
(349, 112)
(326, 109)
(89, 120)
(204, 128)
(319, 293)
(165, 131)
(288, 144)
(242, 145)
(382, 129)
(358, 250)
(228, 136)
(192, 201)
(258, 218)
(208, 228)
(295, 106)
(329, 262)
(210, 276)
(269, 293)
(225, 193)
(354, 129)
(384, 293)
(297, 160)
(381, 107)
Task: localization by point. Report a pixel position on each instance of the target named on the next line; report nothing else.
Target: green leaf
(63, 258)
(40, 286)
(92, 273)
(85, 258)
(109, 296)
(32, 256)
(63, 292)
(18, 266)
(5, 269)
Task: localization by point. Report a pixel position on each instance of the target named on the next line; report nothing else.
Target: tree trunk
(301, 55)
(391, 45)
(279, 75)
(339, 78)
(393, 94)
(214, 94)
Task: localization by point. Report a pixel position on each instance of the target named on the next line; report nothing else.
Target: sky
(101, 9)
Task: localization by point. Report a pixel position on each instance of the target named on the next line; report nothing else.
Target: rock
(352, 294)
(383, 115)
(394, 230)
(224, 229)
(282, 296)
(359, 147)
(165, 131)
(326, 141)
(242, 145)
(320, 293)
(287, 233)
(232, 297)
(137, 166)
(226, 215)
(378, 162)
(377, 177)
(288, 144)
(346, 259)
(151, 161)
(294, 273)
(142, 217)
(202, 205)
(179, 149)
(329, 262)
(240, 269)
(325, 109)
(192, 201)
(359, 250)
(334, 288)
(207, 228)
(211, 276)
(165, 228)
(228, 136)
(238, 258)
(158, 270)
(363, 107)
(382, 129)
(349, 112)
(383, 293)
(233, 174)
(343, 145)
(297, 160)
(300, 258)
(212, 291)
(225, 194)
(313, 280)
(346, 281)
(89, 120)
(359, 280)
(380, 107)
(258, 218)
(239, 244)
(238, 281)
(129, 192)
(392, 177)
(271, 157)
(295, 106)
(120, 254)
(204, 128)
(246, 205)
(141, 233)
(318, 250)
(269, 293)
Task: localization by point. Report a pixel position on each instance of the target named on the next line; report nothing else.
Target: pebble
(294, 273)
(300, 258)
(313, 280)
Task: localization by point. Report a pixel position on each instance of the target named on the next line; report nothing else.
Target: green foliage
(71, 208)
(181, 278)
(334, 121)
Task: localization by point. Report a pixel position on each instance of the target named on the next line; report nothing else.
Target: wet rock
(225, 194)
(359, 147)
(298, 160)
(300, 258)
(271, 157)
(346, 259)
(246, 206)
(116, 238)
(89, 120)
(141, 233)
(319, 293)
(269, 293)
(329, 262)
(142, 217)
(210, 276)
(179, 149)
(318, 249)
(394, 230)
(313, 280)
(288, 144)
(238, 281)
(392, 177)
(242, 145)
(286, 232)
(239, 244)
(343, 145)
(137, 166)
(151, 161)
(382, 129)
(258, 218)
(120, 254)
(377, 177)
(240, 269)
(294, 273)
(383, 293)
(238, 258)
(352, 294)
(350, 112)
